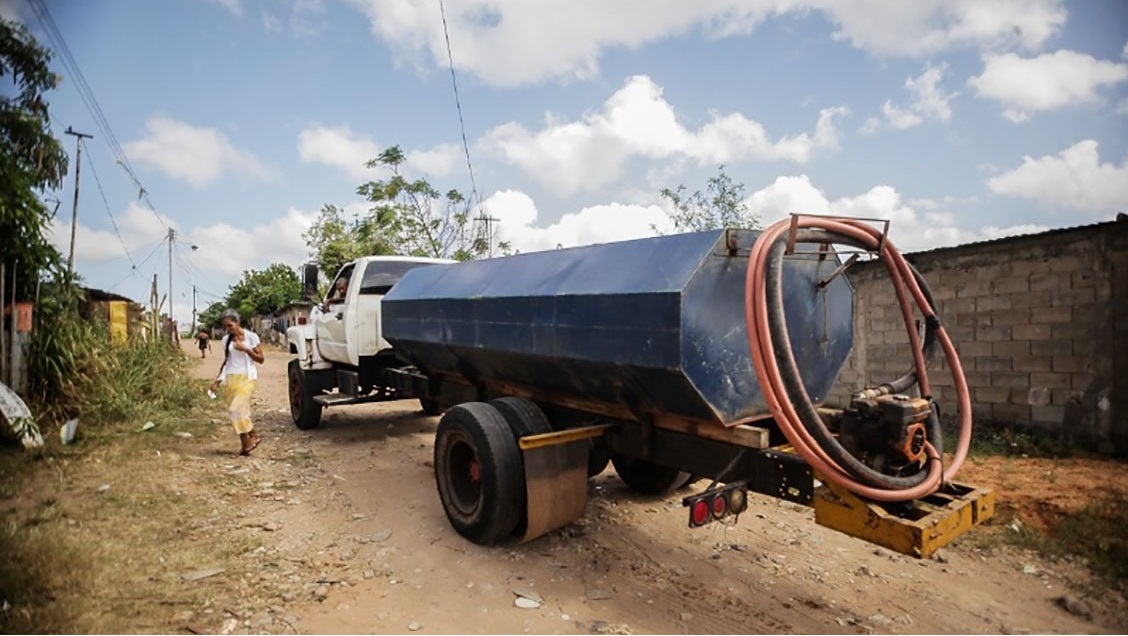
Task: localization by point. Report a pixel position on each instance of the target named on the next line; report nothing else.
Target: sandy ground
(355, 541)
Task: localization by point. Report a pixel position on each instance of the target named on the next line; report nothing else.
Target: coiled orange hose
(764, 356)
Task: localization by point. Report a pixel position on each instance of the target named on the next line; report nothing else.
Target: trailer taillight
(699, 513)
(720, 506)
(717, 503)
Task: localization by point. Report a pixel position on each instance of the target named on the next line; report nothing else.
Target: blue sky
(960, 120)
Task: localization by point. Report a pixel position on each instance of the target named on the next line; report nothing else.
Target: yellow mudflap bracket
(917, 528)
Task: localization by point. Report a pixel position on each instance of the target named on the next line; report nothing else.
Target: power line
(458, 106)
(87, 95)
(105, 202)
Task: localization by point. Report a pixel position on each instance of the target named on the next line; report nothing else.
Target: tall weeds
(76, 371)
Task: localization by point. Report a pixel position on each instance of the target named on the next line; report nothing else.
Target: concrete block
(1071, 364)
(1032, 332)
(973, 349)
(1010, 348)
(1033, 363)
(1050, 380)
(994, 301)
(1050, 347)
(1010, 285)
(1010, 379)
(1071, 297)
(1049, 414)
(992, 334)
(1049, 282)
(1011, 413)
(991, 394)
(1010, 317)
(992, 363)
(1031, 300)
(1051, 315)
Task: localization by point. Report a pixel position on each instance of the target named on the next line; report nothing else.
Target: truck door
(331, 325)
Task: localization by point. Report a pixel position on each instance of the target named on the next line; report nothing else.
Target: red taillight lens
(720, 506)
(700, 512)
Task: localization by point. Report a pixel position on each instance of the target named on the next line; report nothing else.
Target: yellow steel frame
(931, 523)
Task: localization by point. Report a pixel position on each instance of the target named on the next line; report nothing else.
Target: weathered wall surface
(1041, 324)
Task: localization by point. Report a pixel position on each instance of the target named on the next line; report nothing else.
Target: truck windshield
(379, 276)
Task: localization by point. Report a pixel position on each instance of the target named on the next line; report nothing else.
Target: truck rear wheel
(303, 410)
(479, 473)
(523, 416)
(646, 477)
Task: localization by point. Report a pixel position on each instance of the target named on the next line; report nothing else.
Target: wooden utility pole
(78, 137)
(171, 238)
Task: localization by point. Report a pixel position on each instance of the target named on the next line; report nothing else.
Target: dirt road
(353, 539)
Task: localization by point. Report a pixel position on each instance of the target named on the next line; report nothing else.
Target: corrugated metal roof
(1121, 219)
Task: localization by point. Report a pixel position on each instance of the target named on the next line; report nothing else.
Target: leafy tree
(411, 218)
(721, 206)
(263, 292)
(209, 317)
(335, 240)
(31, 159)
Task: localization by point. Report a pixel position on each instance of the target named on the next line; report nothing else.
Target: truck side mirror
(309, 281)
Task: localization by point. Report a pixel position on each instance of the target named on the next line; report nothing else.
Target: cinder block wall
(1040, 322)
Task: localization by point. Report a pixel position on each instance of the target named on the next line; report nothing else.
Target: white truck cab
(345, 327)
(342, 346)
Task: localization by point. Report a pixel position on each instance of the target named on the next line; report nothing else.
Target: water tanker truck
(705, 356)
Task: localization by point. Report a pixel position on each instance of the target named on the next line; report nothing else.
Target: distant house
(122, 316)
(272, 328)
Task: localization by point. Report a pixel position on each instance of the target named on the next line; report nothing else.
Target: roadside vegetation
(1092, 533)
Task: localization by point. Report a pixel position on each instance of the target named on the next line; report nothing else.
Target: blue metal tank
(655, 324)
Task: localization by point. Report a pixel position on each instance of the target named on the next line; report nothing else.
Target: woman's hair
(229, 313)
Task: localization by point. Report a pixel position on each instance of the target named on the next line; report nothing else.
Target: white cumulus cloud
(925, 27)
(196, 154)
(338, 147)
(1046, 82)
(140, 230)
(342, 148)
(510, 42)
(921, 225)
(638, 122)
(930, 101)
(228, 250)
(1074, 178)
(518, 216)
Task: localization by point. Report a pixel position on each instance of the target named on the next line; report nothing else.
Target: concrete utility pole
(78, 137)
(193, 308)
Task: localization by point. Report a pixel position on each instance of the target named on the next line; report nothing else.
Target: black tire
(478, 472)
(598, 457)
(523, 416)
(430, 406)
(303, 410)
(646, 477)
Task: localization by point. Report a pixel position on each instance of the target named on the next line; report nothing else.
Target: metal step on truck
(704, 356)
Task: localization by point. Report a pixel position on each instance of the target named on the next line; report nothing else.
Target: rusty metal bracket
(793, 230)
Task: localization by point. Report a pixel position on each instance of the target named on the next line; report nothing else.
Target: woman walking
(241, 350)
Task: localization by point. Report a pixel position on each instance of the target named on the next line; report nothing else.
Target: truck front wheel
(478, 472)
(305, 412)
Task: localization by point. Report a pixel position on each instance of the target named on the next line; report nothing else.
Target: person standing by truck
(242, 350)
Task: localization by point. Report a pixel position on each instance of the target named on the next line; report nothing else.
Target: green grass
(994, 440)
